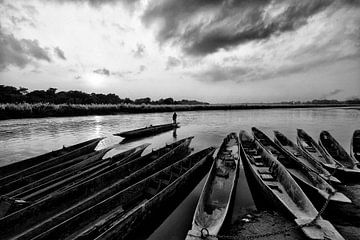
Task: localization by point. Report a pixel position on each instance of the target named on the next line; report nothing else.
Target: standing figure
(174, 117)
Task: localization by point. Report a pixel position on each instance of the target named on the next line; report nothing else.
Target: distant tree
(146, 100)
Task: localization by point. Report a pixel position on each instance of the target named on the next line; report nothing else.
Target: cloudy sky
(220, 51)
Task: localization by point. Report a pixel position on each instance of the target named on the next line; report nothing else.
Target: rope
(205, 233)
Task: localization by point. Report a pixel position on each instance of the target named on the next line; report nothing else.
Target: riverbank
(38, 110)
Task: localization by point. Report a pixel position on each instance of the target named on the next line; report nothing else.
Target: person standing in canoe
(174, 117)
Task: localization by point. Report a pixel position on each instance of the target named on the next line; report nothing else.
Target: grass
(26, 110)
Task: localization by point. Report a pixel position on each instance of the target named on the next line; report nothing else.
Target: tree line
(9, 94)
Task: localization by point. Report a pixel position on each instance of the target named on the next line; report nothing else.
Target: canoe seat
(310, 149)
(264, 171)
(267, 177)
(275, 187)
(259, 164)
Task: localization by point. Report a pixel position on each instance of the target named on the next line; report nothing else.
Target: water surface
(20, 139)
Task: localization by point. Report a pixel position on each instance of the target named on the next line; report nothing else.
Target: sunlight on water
(20, 139)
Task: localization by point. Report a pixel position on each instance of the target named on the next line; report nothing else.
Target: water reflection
(25, 138)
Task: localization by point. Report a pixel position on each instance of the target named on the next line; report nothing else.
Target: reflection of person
(174, 117)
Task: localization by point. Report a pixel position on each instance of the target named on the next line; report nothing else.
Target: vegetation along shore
(19, 103)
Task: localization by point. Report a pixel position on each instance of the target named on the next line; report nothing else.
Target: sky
(218, 51)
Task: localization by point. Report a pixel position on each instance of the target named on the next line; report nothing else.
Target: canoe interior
(314, 185)
(99, 217)
(156, 190)
(217, 194)
(274, 176)
(293, 149)
(280, 188)
(23, 164)
(308, 144)
(69, 201)
(336, 151)
(355, 145)
(146, 131)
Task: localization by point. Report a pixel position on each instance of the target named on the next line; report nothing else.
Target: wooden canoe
(34, 192)
(216, 197)
(67, 202)
(148, 131)
(48, 184)
(355, 145)
(312, 184)
(308, 145)
(17, 170)
(123, 212)
(271, 179)
(336, 151)
(303, 157)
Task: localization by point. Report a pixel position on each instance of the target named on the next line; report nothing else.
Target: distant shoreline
(41, 110)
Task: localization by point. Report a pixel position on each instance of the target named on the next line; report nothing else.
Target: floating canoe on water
(278, 188)
(308, 145)
(336, 151)
(216, 197)
(312, 184)
(303, 157)
(148, 131)
(355, 145)
(67, 202)
(26, 167)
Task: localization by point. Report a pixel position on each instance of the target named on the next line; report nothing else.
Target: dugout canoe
(312, 184)
(72, 174)
(122, 213)
(355, 145)
(271, 179)
(216, 197)
(14, 171)
(303, 157)
(65, 203)
(148, 131)
(308, 144)
(17, 200)
(334, 150)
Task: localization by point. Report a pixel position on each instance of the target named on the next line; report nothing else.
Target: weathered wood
(27, 163)
(218, 192)
(312, 184)
(336, 151)
(49, 162)
(72, 174)
(343, 173)
(141, 203)
(308, 162)
(61, 200)
(283, 193)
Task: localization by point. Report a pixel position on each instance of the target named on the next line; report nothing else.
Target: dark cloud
(59, 53)
(20, 52)
(102, 71)
(139, 51)
(202, 27)
(172, 62)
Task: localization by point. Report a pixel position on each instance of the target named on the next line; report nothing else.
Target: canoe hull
(148, 131)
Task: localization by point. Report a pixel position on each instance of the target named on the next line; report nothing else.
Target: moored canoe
(217, 194)
(271, 179)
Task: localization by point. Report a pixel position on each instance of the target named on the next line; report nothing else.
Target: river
(25, 138)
